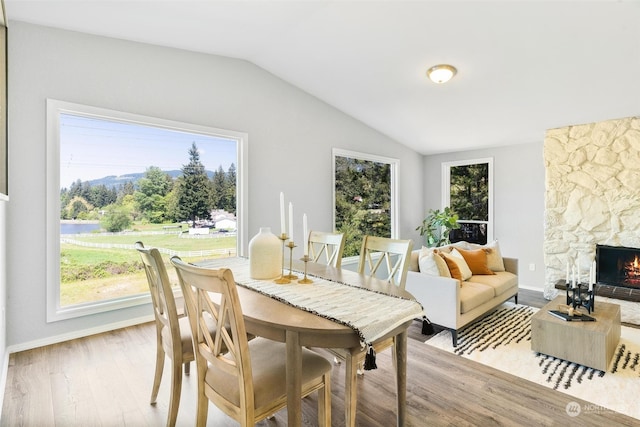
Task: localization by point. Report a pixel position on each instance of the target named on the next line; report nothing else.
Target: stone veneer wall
(592, 193)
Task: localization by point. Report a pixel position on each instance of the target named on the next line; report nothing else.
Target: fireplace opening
(618, 266)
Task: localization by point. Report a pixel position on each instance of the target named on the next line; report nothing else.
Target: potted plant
(437, 226)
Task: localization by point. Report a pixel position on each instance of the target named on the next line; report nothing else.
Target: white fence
(170, 252)
(151, 233)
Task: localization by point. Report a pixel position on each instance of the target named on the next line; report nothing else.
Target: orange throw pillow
(453, 267)
(476, 260)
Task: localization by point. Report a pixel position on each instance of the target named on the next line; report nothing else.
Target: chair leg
(176, 388)
(324, 402)
(202, 410)
(350, 391)
(515, 298)
(454, 337)
(187, 368)
(158, 375)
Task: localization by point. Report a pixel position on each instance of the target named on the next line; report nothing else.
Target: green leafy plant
(437, 225)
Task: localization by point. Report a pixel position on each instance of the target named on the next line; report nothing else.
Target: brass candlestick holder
(305, 280)
(282, 280)
(291, 276)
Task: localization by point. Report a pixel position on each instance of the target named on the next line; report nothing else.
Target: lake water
(78, 228)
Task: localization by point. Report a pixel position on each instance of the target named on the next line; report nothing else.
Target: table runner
(369, 313)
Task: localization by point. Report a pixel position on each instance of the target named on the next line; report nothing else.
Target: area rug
(502, 340)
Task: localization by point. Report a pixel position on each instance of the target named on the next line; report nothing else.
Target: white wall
(518, 173)
(290, 138)
(3, 293)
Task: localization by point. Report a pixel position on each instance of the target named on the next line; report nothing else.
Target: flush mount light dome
(441, 73)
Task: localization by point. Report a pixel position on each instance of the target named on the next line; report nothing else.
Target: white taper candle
(306, 235)
(291, 221)
(282, 229)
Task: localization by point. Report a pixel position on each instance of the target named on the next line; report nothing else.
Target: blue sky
(94, 148)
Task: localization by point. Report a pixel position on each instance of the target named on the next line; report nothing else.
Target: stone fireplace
(592, 197)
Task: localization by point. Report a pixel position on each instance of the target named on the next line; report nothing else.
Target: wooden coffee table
(587, 343)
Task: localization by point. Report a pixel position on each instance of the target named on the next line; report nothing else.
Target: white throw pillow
(462, 264)
(432, 264)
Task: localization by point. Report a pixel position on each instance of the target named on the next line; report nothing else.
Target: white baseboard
(77, 334)
(530, 288)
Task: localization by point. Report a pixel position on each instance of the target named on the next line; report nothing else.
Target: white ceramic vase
(265, 255)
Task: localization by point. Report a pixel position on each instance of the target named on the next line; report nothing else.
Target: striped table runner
(370, 314)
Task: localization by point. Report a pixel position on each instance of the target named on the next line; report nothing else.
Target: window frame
(446, 190)
(394, 166)
(54, 109)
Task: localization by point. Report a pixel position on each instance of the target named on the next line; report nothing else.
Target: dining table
(278, 319)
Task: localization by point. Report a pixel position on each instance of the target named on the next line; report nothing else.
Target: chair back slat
(331, 245)
(394, 254)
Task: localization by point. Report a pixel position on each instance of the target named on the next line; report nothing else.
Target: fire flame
(633, 269)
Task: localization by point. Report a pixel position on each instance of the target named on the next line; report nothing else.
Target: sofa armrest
(439, 297)
(511, 265)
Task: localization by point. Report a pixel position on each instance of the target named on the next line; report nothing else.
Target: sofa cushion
(501, 282)
(473, 295)
(413, 260)
(432, 264)
(476, 260)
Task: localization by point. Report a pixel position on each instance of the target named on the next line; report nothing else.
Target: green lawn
(168, 241)
(94, 274)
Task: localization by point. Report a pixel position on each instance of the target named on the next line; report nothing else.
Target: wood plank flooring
(105, 380)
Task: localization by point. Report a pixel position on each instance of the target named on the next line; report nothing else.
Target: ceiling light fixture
(441, 73)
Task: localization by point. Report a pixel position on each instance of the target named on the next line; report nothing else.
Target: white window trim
(446, 188)
(54, 108)
(394, 168)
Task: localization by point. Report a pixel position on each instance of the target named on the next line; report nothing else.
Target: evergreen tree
(470, 191)
(363, 204)
(126, 189)
(193, 189)
(218, 188)
(230, 195)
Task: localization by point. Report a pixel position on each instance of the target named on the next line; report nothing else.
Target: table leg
(294, 379)
(350, 390)
(400, 349)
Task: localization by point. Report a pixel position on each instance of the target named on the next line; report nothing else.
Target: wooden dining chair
(247, 382)
(393, 254)
(329, 244)
(173, 333)
(386, 259)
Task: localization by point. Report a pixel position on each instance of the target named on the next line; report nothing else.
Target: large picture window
(365, 197)
(468, 188)
(117, 178)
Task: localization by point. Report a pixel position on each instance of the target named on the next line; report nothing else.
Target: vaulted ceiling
(523, 66)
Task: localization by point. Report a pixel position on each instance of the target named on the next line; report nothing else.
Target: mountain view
(113, 181)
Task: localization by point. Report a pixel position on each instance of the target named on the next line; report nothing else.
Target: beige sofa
(452, 303)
